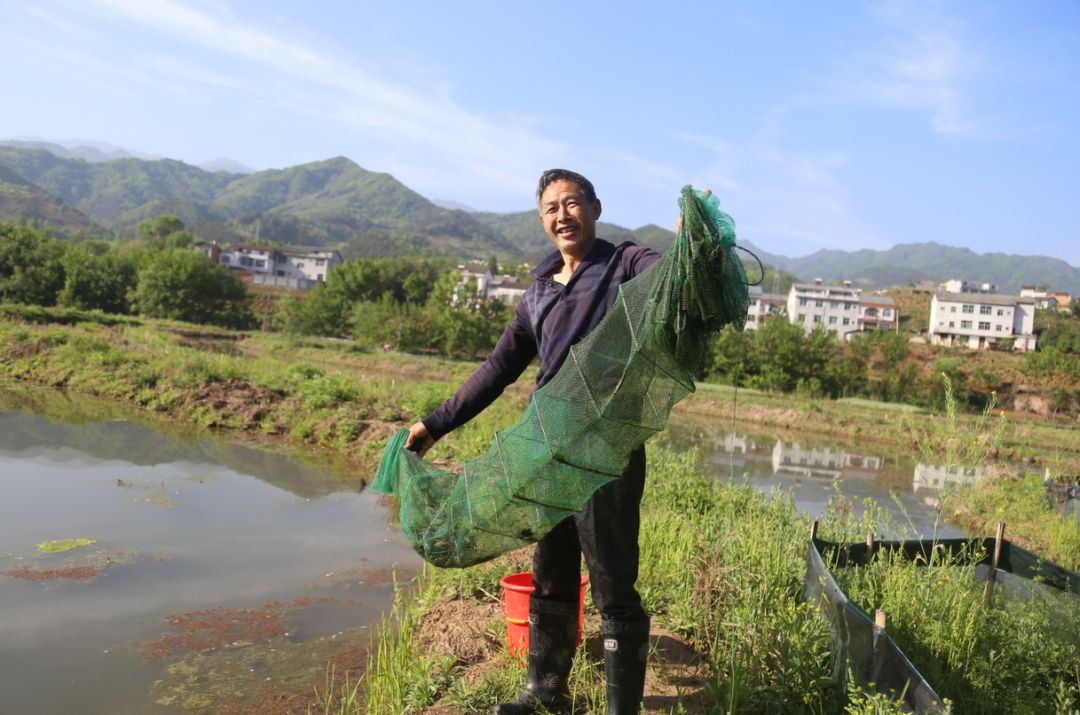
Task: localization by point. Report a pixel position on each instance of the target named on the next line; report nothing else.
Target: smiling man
(575, 286)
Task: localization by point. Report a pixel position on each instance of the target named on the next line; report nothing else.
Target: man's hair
(550, 176)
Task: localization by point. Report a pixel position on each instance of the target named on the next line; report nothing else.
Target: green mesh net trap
(615, 389)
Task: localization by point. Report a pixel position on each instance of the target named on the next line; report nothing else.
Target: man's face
(568, 217)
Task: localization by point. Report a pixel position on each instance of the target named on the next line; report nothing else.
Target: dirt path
(467, 630)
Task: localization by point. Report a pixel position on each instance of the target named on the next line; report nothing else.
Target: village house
(507, 289)
(764, 305)
(1047, 300)
(839, 309)
(981, 320)
(286, 267)
(959, 286)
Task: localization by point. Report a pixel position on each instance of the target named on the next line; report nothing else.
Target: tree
(31, 267)
(183, 284)
(778, 346)
(321, 312)
(493, 264)
(405, 326)
(164, 231)
(732, 358)
(463, 324)
(95, 278)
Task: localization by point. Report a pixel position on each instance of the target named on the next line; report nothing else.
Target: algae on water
(58, 546)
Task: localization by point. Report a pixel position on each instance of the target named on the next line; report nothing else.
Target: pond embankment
(721, 565)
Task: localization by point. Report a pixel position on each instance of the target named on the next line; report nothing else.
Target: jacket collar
(601, 250)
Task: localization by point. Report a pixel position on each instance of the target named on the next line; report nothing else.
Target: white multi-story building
(507, 289)
(288, 267)
(762, 306)
(840, 309)
(251, 259)
(311, 263)
(978, 321)
(816, 305)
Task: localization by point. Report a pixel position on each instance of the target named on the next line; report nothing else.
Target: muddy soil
(242, 661)
(473, 633)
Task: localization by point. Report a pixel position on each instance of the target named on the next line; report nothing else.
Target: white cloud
(416, 121)
(924, 64)
(801, 197)
(785, 201)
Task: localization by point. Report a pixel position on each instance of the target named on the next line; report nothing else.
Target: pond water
(217, 570)
(814, 470)
(223, 577)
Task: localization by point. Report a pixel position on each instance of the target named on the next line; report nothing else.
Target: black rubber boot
(553, 630)
(626, 648)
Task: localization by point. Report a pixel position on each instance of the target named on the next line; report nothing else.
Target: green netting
(614, 390)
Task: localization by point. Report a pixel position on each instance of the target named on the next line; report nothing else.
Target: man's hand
(419, 440)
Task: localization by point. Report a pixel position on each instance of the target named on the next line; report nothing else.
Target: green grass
(310, 391)
(1023, 505)
(722, 565)
(1014, 657)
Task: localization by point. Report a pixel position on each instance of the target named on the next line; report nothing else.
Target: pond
(223, 577)
(220, 576)
(814, 470)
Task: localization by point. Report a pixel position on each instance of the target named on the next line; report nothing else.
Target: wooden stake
(869, 546)
(879, 619)
(988, 594)
(813, 530)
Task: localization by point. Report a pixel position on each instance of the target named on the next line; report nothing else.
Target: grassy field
(721, 565)
(722, 569)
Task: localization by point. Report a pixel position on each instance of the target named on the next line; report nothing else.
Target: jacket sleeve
(638, 258)
(512, 354)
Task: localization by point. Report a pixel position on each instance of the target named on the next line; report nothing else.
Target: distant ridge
(454, 205)
(914, 262)
(86, 150)
(337, 203)
(229, 166)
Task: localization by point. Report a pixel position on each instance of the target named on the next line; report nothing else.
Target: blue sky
(838, 125)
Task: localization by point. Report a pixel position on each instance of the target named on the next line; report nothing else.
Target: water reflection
(930, 480)
(64, 427)
(822, 462)
(182, 524)
(814, 471)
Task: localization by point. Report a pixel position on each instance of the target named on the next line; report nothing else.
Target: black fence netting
(869, 652)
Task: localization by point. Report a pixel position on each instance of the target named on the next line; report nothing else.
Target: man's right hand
(419, 439)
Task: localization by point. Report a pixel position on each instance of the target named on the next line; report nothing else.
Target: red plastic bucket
(516, 591)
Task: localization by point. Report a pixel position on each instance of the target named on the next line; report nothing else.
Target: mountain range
(89, 190)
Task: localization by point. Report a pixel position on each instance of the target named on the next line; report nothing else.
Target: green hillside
(21, 200)
(324, 203)
(913, 262)
(337, 203)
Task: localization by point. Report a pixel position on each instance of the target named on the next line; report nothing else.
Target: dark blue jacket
(549, 319)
